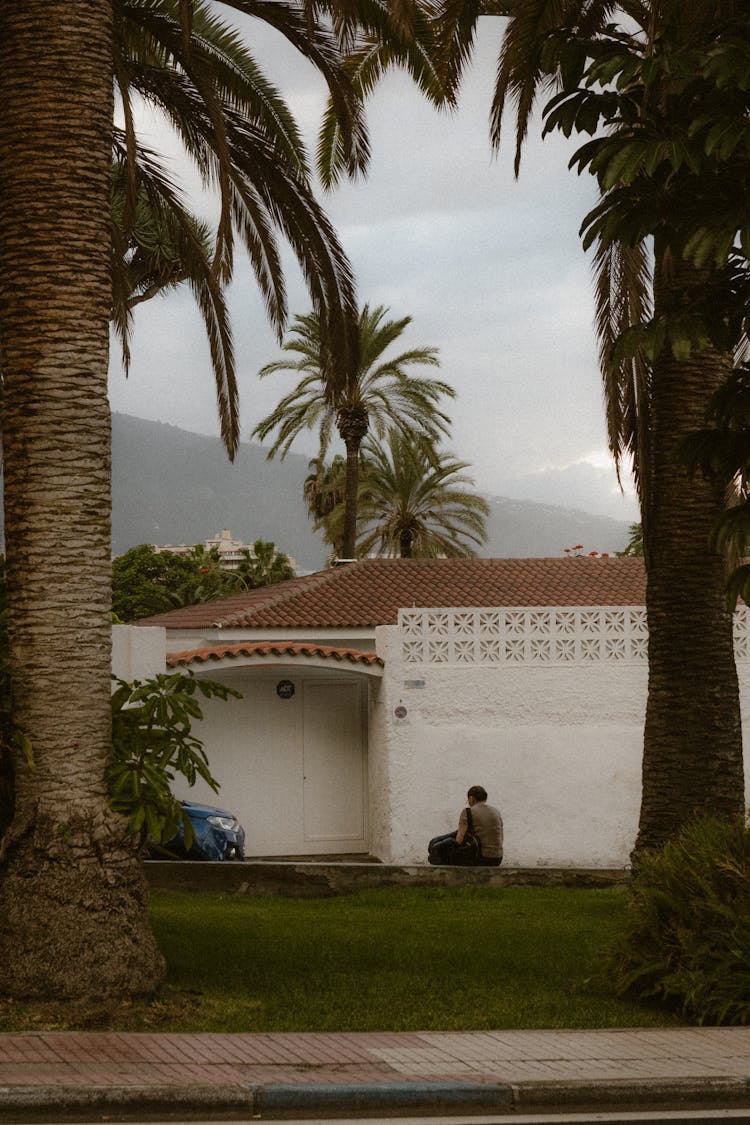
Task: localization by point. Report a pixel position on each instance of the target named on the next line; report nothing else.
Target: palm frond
(623, 285)
(162, 246)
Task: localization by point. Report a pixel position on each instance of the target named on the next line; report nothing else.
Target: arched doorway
(291, 754)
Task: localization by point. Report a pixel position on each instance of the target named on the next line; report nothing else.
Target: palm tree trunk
(351, 496)
(73, 918)
(692, 756)
(353, 422)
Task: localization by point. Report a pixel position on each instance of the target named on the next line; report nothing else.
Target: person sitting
(486, 826)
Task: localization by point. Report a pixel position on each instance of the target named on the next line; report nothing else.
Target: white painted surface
(293, 770)
(334, 765)
(544, 706)
(138, 652)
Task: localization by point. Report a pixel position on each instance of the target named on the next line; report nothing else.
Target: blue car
(218, 835)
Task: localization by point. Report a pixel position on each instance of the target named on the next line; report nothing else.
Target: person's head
(476, 794)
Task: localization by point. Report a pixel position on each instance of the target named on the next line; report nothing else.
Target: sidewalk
(48, 1075)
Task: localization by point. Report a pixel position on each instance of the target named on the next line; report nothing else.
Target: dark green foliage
(634, 545)
(686, 941)
(146, 581)
(669, 148)
(263, 566)
(152, 742)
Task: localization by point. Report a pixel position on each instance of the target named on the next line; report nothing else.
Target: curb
(24, 1104)
(383, 1099)
(584, 1095)
(29, 1104)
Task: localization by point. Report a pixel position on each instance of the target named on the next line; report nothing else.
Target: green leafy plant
(686, 942)
(152, 742)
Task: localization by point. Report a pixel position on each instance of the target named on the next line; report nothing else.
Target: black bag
(469, 851)
(444, 849)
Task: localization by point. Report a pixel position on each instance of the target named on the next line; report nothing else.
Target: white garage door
(333, 764)
(292, 769)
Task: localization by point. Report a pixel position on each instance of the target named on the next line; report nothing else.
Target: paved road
(337, 1075)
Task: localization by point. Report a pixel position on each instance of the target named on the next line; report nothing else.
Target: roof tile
(371, 592)
(269, 648)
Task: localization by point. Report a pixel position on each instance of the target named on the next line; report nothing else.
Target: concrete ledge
(319, 880)
(624, 1094)
(30, 1104)
(382, 1099)
(22, 1104)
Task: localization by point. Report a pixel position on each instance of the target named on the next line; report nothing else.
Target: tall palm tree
(382, 393)
(655, 394)
(72, 894)
(416, 502)
(73, 919)
(245, 142)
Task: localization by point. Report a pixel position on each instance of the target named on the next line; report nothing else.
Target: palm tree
(655, 394)
(382, 393)
(634, 545)
(324, 491)
(415, 503)
(244, 141)
(264, 565)
(72, 894)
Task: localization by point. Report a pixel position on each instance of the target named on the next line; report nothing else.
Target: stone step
(317, 879)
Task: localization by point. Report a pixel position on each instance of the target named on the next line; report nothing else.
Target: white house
(376, 692)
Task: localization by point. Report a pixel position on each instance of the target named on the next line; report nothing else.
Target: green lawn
(387, 959)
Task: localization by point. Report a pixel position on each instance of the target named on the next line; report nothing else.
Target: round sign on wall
(400, 712)
(285, 689)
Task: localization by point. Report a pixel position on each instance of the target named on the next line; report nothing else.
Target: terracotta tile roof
(371, 592)
(266, 648)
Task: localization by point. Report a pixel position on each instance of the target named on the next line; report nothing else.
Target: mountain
(171, 486)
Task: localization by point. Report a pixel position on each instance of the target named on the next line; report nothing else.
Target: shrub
(152, 742)
(687, 938)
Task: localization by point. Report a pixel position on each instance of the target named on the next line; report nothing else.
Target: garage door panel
(333, 762)
(258, 764)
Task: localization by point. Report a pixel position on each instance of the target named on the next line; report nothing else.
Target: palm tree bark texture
(692, 752)
(693, 735)
(73, 919)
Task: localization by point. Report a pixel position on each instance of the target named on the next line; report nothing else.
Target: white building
(375, 693)
(231, 551)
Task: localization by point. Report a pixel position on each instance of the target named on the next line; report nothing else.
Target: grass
(386, 959)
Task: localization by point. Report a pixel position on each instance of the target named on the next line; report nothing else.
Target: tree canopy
(146, 581)
(385, 392)
(417, 501)
(660, 92)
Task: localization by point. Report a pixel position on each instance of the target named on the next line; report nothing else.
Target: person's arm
(462, 826)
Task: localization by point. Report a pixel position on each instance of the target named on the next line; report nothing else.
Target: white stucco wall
(549, 721)
(543, 706)
(138, 652)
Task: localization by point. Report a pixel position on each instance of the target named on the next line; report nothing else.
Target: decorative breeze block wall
(536, 635)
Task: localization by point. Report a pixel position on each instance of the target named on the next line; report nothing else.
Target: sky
(490, 269)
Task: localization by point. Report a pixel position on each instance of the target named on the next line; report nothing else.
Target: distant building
(231, 551)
